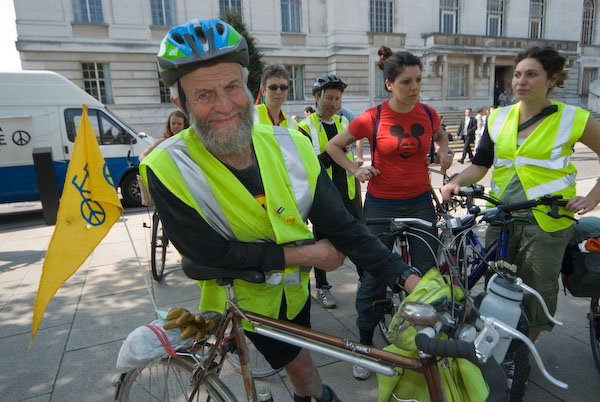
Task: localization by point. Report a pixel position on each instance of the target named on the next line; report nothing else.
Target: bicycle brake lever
(507, 331)
(519, 282)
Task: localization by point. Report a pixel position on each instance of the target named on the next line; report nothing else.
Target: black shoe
(461, 161)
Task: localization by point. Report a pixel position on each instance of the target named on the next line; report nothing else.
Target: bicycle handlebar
(404, 222)
(492, 372)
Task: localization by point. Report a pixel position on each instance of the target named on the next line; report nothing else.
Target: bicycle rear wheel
(170, 379)
(259, 365)
(595, 329)
(158, 248)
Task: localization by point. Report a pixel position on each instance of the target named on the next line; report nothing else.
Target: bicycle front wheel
(595, 329)
(170, 379)
(158, 248)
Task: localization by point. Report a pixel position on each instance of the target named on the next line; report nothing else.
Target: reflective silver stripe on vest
(314, 136)
(273, 278)
(198, 185)
(494, 187)
(499, 162)
(552, 186)
(499, 122)
(296, 170)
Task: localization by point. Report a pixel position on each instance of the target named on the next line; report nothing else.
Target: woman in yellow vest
(529, 145)
(274, 81)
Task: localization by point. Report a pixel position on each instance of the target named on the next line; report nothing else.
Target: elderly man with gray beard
(234, 195)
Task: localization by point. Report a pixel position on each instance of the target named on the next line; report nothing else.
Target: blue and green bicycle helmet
(199, 43)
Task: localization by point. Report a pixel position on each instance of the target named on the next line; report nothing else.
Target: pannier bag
(462, 380)
(582, 269)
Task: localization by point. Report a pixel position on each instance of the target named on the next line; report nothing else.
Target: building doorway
(502, 81)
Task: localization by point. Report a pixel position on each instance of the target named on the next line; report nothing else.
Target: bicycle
(192, 374)
(466, 258)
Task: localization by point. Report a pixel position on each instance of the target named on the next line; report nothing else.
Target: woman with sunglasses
(275, 86)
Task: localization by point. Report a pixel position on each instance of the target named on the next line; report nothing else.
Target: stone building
(108, 47)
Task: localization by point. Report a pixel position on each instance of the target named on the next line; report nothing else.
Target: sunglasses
(274, 87)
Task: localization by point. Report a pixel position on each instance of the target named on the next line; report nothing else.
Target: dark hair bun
(384, 53)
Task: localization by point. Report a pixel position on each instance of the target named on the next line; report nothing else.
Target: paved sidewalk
(73, 356)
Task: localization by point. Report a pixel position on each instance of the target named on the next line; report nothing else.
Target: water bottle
(503, 302)
(265, 395)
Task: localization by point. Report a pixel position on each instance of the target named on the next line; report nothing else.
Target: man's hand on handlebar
(411, 282)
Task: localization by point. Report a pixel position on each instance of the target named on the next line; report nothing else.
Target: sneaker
(325, 298)
(360, 373)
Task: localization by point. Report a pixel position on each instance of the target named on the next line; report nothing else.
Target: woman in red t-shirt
(400, 132)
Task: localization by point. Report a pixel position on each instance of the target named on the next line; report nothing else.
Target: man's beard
(229, 140)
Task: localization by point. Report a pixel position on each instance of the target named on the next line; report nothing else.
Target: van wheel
(130, 191)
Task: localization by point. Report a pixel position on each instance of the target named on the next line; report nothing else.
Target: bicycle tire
(518, 352)
(158, 250)
(260, 367)
(595, 329)
(169, 379)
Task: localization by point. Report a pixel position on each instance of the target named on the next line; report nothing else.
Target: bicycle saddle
(204, 272)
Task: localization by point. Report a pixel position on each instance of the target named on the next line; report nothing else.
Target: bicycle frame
(344, 349)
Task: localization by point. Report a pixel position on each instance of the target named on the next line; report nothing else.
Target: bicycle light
(419, 313)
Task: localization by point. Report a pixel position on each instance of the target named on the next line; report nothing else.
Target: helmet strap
(182, 98)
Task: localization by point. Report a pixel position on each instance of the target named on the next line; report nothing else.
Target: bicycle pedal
(381, 307)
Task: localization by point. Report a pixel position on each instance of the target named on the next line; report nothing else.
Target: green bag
(462, 380)
(583, 269)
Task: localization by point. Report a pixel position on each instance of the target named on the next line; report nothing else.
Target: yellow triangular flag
(89, 206)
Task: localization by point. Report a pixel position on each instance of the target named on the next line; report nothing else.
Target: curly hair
(552, 62)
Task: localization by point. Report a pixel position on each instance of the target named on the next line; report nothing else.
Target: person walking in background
(466, 130)
(176, 122)
(320, 127)
(480, 118)
(529, 146)
(275, 85)
(400, 131)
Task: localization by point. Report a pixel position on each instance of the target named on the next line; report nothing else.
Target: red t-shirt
(403, 142)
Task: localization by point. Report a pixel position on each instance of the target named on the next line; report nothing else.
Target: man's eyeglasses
(274, 87)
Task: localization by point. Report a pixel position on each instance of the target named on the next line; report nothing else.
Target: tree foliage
(256, 65)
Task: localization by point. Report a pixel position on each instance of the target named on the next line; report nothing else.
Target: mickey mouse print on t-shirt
(408, 143)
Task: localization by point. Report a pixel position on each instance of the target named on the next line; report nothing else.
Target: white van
(42, 110)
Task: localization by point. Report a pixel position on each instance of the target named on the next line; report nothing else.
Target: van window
(107, 131)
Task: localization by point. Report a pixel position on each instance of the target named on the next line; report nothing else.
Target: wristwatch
(408, 272)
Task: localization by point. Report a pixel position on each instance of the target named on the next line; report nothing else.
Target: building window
(495, 15)
(235, 5)
(587, 29)
(380, 91)
(536, 19)
(163, 12)
(382, 15)
(448, 16)
(165, 94)
(290, 15)
(88, 11)
(296, 91)
(96, 81)
(589, 75)
(457, 81)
